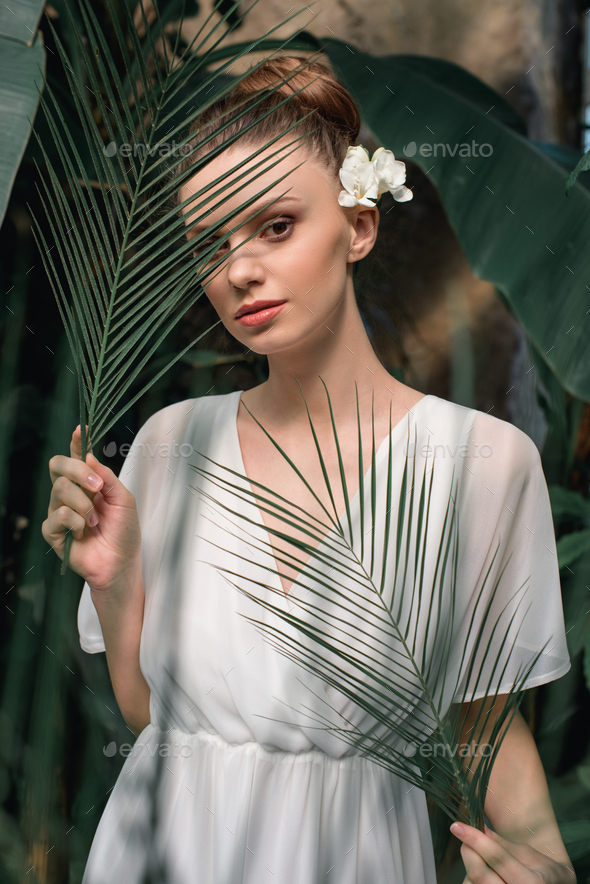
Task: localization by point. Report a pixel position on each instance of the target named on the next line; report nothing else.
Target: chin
(260, 343)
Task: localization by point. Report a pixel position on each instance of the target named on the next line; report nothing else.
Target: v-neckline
(240, 458)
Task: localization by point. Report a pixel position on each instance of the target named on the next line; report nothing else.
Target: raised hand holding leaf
(121, 267)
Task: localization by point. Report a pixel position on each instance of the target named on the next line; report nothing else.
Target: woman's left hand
(491, 859)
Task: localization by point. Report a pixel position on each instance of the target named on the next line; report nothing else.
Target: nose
(245, 266)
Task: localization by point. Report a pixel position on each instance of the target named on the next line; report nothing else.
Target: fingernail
(457, 829)
(93, 520)
(94, 481)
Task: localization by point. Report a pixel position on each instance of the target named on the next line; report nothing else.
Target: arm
(101, 512)
(526, 841)
(518, 805)
(120, 611)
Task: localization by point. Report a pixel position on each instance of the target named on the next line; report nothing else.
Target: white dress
(249, 787)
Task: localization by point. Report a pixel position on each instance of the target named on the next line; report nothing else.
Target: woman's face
(302, 262)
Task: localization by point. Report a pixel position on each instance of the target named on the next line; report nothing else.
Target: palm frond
(121, 268)
(378, 629)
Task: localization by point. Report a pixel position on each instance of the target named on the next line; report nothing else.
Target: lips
(255, 306)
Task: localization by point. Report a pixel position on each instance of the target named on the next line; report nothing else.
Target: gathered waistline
(252, 747)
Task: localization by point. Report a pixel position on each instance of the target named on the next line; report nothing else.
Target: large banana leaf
(121, 268)
(22, 62)
(508, 206)
(20, 22)
(509, 209)
(360, 636)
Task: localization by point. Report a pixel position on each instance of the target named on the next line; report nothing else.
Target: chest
(313, 503)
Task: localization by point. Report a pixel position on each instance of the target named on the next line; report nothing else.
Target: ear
(363, 233)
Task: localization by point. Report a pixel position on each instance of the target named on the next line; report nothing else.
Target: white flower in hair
(366, 179)
(357, 175)
(391, 174)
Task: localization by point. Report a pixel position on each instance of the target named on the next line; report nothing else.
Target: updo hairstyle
(335, 116)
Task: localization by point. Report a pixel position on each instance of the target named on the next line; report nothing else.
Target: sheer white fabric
(250, 788)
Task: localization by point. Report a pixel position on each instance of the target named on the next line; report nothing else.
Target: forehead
(247, 175)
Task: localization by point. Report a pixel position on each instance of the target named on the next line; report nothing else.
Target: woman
(245, 795)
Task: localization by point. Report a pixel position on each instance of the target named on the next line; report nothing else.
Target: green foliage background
(57, 709)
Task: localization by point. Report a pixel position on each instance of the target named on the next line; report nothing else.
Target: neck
(338, 354)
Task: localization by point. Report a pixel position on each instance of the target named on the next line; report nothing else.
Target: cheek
(216, 293)
(322, 252)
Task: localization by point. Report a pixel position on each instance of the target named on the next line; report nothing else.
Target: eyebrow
(199, 227)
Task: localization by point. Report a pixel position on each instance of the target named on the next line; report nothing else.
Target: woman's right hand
(106, 535)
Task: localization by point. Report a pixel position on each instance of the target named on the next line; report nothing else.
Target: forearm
(120, 611)
(518, 805)
(517, 802)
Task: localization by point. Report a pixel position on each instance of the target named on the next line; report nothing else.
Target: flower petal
(346, 199)
(349, 179)
(358, 152)
(401, 194)
(397, 172)
(383, 157)
(367, 178)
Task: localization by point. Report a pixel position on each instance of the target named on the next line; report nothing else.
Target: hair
(332, 127)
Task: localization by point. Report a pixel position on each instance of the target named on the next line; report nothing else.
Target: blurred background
(460, 300)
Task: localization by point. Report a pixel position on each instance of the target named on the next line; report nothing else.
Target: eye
(285, 222)
(204, 245)
(282, 222)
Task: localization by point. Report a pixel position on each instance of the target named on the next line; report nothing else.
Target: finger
(76, 471)
(477, 870)
(495, 836)
(58, 524)
(66, 493)
(504, 842)
(495, 855)
(76, 442)
(539, 862)
(112, 489)
(525, 853)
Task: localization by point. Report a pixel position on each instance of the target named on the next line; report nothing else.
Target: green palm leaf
(518, 191)
(364, 641)
(120, 266)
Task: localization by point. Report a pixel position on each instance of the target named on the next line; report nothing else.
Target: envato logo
(164, 750)
(463, 750)
(471, 449)
(464, 149)
(162, 149)
(162, 449)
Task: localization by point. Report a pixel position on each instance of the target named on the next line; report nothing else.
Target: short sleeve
(506, 527)
(142, 473)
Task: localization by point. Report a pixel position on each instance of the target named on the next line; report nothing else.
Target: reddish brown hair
(332, 127)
